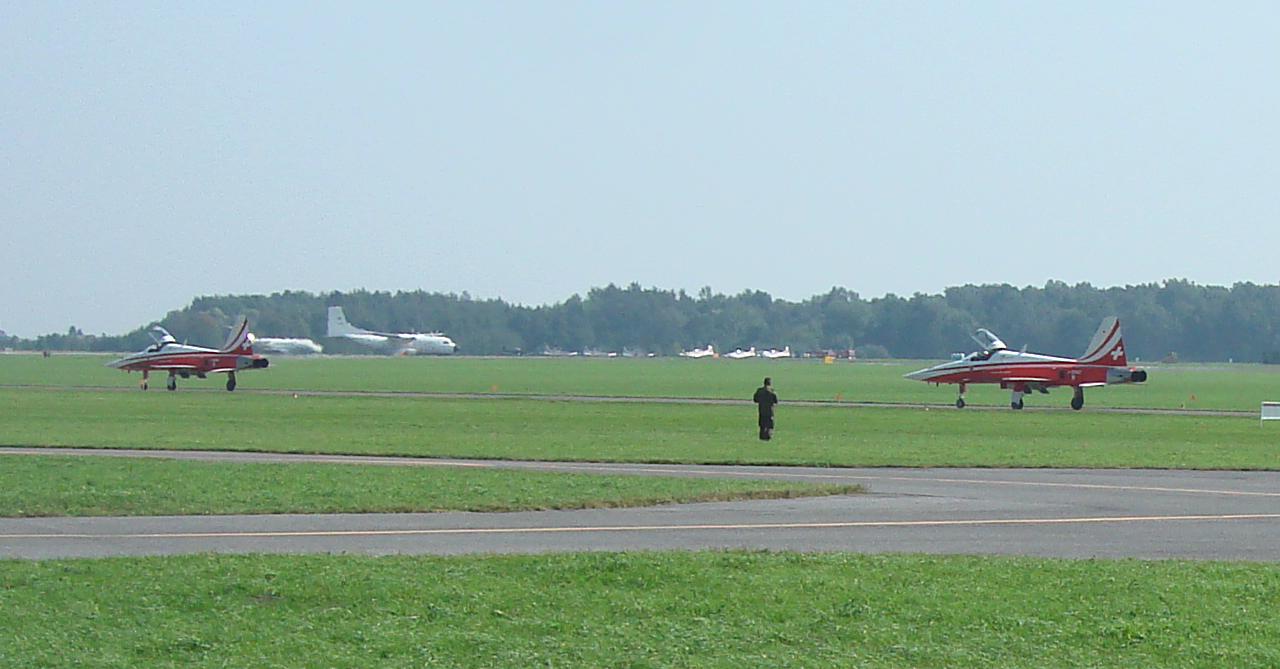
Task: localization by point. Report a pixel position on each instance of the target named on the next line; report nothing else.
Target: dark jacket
(765, 398)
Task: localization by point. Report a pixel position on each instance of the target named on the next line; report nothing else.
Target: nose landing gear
(1015, 402)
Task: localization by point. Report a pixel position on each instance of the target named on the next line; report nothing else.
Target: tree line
(1173, 319)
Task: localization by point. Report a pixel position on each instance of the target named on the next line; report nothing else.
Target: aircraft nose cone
(917, 375)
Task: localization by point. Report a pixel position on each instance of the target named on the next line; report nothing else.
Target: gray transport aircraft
(394, 343)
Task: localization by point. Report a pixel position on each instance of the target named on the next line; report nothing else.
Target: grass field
(76, 486)
(681, 609)
(631, 610)
(1238, 387)
(631, 432)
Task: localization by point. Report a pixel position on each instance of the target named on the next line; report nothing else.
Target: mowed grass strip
(1190, 386)
(35, 485)
(633, 432)
(627, 610)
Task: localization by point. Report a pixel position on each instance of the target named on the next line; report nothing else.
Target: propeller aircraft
(187, 361)
(708, 352)
(1103, 363)
(395, 343)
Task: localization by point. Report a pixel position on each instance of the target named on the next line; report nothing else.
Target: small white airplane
(708, 352)
(774, 353)
(739, 354)
(396, 343)
(286, 345)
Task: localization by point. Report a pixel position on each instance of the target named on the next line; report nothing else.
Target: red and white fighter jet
(1103, 363)
(187, 361)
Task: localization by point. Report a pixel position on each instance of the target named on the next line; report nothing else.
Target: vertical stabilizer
(1107, 347)
(240, 340)
(338, 325)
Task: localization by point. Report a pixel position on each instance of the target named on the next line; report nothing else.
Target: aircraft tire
(1077, 402)
(959, 402)
(231, 382)
(172, 383)
(1016, 406)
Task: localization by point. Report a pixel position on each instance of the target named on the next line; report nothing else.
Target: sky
(154, 152)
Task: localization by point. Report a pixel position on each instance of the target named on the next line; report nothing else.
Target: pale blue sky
(151, 152)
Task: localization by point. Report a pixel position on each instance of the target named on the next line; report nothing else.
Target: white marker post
(1270, 411)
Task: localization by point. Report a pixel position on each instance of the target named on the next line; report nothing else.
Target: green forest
(1170, 320)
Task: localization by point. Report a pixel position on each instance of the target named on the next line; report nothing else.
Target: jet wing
(173, 365)
(1031, 379)
(198, 370)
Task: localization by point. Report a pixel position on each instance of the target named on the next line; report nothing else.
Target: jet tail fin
(240, 342)
(1107, 346)
(338, 325)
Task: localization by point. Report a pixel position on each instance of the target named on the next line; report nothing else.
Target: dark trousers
(766, 427)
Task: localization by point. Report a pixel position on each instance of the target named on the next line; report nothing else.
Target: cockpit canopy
(161, 337)
(988, 341)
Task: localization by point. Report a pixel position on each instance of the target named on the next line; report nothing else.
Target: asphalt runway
(1072, 513)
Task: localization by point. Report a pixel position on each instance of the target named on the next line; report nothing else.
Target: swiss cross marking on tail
(1118, 353)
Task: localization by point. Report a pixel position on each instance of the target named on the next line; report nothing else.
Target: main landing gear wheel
(231, 382)
(171, 383)
(959, 402)
(1077, 401)
(1016, 406)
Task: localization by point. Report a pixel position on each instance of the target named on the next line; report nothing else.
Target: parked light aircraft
(287, 345)
(1103, 363)
(739, 354)
(187, 361)
(774, 353)
(401, 343)
(708, 352)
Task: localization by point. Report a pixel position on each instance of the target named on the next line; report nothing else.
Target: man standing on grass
(765, 398)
